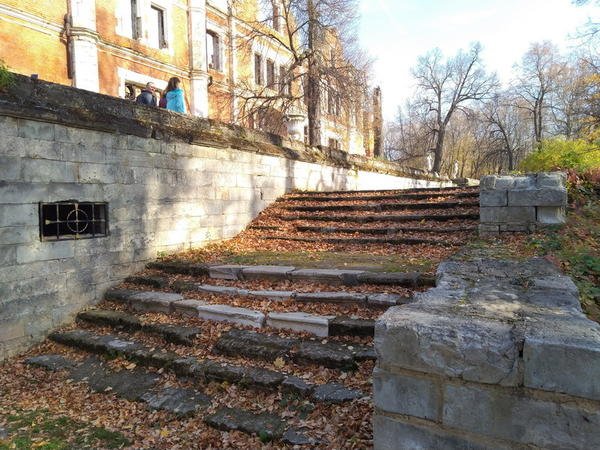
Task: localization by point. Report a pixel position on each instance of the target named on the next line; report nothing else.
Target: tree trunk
(438, 150)
(313, 94)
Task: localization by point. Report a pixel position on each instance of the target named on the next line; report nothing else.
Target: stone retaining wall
(499, 355)
(171, 182)
(522, 203)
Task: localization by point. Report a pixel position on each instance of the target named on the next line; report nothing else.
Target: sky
(397, 32)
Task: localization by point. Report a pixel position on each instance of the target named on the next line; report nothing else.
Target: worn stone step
(347, 326)
(382, 196)
(380, 217)
(153, 281)
(176, 334)
(201, 370)
(301, 322)
(382, 206)
(387, 191)
(265, 425)
(270, 347)
(179, 267)
(384, 231)
(167, 303)
(361, 241)
(134, 385)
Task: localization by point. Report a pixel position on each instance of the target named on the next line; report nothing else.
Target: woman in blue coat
(174, 95)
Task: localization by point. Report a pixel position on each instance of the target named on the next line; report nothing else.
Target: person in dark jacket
(147, 96)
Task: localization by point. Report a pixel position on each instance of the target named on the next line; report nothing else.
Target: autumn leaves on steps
(381, 219)
(204, 342)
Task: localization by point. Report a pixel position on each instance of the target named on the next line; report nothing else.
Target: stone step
(179, 267)
(295, 321)
(176, 334)
(380, 218)
(267, 426)
(281, 273)
(382, 207)
(202, 370)
(383, 196)
(269, 347)
(361, 241)
(291, 296)
(387, 191)
(134, 385)
(385, 231)
(152, 281)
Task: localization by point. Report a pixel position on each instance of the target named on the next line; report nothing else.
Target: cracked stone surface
(51, 362)
(261, 424)
(335, 393)
(181, 402)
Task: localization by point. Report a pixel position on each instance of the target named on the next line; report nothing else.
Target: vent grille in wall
(73, 220)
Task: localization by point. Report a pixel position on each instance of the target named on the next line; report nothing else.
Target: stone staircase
(345, 220)
(261, 349)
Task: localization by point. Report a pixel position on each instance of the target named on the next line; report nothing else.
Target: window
(285, 82)
(136, 21)
(156, 32)
(213, 50)
(276, 17)
(333, 103)
(334, 144)
(73, 220)
(258, 74)
(270, 73)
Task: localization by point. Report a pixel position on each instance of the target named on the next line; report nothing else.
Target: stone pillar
(521, 203)
(199, 73)
(83, 40)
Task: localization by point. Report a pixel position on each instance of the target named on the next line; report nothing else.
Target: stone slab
(330, 297)
(401, 394)
(275, 296)
(267, 272)
(332, 276)
(188, 307)
(179, 401)
(118, 319)
(153, 281)
(347, 326)
(298, 321)
(219, 290)
(409, 279)
(517, 418)
(538, 197)
(154, 301)
(335, 393)
(51, 362)
(551, 215)
(513, 214)
(265, 425)
(493, 198)
(226, 272)
(298, 386)
(328, 354)
(385, 299)
(225, 313)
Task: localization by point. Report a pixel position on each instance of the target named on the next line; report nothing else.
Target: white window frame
(220, 50)
(128, 76)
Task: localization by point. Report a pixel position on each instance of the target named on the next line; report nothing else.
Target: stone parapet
(521, 203)
(498, 355)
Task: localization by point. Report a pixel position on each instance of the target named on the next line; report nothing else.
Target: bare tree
(537, 80)
(449, 86)
(326, 65)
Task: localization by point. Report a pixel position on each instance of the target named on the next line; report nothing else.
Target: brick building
(116, 46)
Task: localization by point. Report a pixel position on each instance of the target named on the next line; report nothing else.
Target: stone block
(239, 316)
(219, 290)
(516, 227)
(302, 322)
(152, 301)
(226, 272)
(45, 171)
(188, 307)
(559, 354)
(551, 180)
(513, 214)
(276, 296)
(400, 394)
(332, 276)
(10, 168)
(432, 339)
(267, 272)
(44, 251)
(537, 197)
(493, 198)
(392, 434)
(551, 215)
(36, 130)
(385, 299)
(488, 230)
(330, 297)
(501, 414)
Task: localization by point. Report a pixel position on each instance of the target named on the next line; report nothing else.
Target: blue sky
(396, 32)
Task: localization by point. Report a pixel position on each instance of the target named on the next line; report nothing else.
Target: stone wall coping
(55, 103)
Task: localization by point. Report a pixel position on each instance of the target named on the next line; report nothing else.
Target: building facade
(115, 47)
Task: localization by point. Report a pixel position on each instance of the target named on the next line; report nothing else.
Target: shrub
(558, 154)
(6, 77)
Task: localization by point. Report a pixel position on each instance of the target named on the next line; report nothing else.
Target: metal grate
(73, 220)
